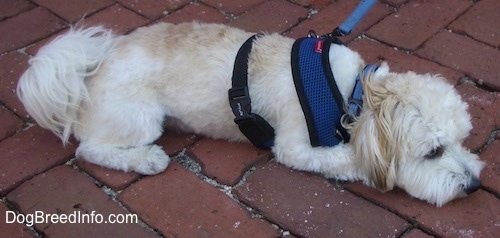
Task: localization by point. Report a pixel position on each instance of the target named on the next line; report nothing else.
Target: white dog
(115, 93)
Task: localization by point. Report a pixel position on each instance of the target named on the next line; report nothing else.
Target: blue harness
(321, 100)
(319, 96)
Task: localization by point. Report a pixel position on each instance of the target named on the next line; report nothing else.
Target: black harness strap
(254, 127)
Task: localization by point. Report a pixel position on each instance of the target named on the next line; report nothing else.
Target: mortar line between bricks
(25, 124)
(476, 82)
(393, 5)
(22, 49)
(413, 222)
(491, 139)
(229, 16)
(406, 231)
(4, 106)
(11, 206)
(465, 34)
(467, 79)
(112, 194)
(136, 12)
(194, 167)
(491, 191)
(169, 12)
(367, 37)
(254, 211)
(311, 12)
(453, 32)
(66, 160)
(445, 27)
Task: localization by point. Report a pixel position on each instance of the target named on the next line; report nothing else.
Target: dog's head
(410, 135)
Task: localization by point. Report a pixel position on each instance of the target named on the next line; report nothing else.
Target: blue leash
(353, 20)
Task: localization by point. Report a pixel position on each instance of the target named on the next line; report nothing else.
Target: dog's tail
(53, 88)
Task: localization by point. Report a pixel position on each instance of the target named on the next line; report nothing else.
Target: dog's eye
(434, 153)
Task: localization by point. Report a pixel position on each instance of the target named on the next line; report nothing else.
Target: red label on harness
(318, 46)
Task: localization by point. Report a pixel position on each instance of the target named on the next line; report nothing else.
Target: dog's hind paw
(156, 161)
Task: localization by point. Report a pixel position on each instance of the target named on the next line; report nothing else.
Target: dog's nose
(473, 186)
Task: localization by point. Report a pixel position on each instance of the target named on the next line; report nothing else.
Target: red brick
(9, 123)
(27, 28)
(73, 11)
(416, 233)
(117, 18)
(482, 111)
(12, 229)
(467, 55)
(227, 162)
(332, 16)
(400, 61)
(198, 13)
(10, 8)
(33, 49)
(28, 153)
(271, 16)
(12, 65)
(179, 204)
(490, 176)
(63, 190)
(310, 206)
(417, 21)
(116, 180)
(153, 9)
(481, 22)
(233, 7)
(173, 142)
(476, 215)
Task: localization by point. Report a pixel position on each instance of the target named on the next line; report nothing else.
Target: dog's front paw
(154, 162)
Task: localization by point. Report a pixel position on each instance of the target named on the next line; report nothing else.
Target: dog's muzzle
(473, 186)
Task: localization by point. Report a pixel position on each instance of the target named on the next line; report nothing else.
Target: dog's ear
(375, 150)
(372, 134)
(373, 85)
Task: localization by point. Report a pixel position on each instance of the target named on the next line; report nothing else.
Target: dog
(116, 93)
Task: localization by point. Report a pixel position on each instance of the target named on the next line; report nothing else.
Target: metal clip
(312, 34)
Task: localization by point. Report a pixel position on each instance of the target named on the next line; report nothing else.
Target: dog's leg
(145, 159)
(332, 162)
(120, 136)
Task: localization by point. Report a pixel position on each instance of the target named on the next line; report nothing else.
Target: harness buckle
(254, 127)
(355, 105)
(239, 100)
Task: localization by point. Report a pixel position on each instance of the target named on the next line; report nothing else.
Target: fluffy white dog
(115, 94)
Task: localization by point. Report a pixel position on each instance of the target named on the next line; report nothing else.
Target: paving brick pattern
(215, 188)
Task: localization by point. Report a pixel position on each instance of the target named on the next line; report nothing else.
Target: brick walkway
(218, 189)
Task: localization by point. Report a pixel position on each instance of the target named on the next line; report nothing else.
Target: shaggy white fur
(115, 93)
